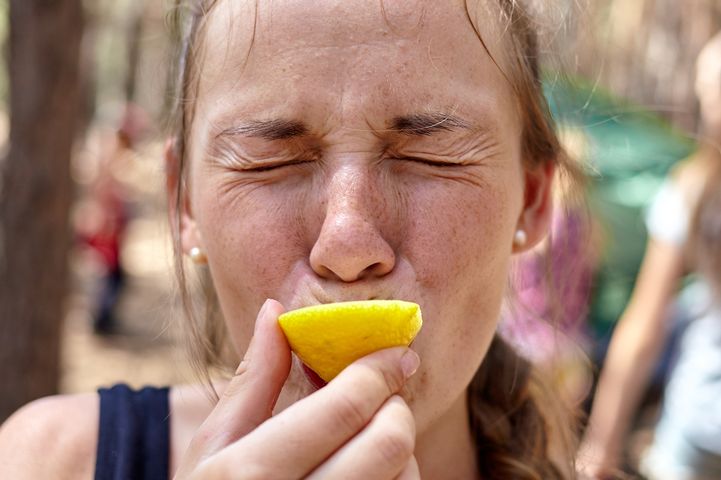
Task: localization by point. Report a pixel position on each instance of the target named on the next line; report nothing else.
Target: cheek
(252, 237)
(459, 239)
(460, 247)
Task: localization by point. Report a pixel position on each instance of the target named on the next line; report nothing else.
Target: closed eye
(432, 163)
(266, 167)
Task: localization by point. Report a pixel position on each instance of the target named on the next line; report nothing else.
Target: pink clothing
(552, 293)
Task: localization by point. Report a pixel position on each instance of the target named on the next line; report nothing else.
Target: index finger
(301, 437)
(250, 397)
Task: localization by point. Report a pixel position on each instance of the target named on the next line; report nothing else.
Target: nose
(351, 243)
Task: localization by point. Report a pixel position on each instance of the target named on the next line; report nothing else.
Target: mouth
(313, 378)
(333, 293)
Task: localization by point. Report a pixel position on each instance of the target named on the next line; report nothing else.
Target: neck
(446, 450)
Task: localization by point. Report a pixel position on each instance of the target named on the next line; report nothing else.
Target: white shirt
(692, 399)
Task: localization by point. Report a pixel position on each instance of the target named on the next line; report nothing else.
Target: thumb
(250, 397)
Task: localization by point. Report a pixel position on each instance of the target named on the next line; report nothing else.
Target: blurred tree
(135, 32)
(35, 194)
(645, 50)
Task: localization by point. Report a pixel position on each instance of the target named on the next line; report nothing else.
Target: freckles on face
(458, 242)
(341, 162)
(251, 232)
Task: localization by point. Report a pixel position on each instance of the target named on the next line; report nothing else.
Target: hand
(355, 427)
(594, 463)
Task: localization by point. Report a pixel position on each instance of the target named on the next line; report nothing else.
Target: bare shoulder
(190, 406)
(54, 437)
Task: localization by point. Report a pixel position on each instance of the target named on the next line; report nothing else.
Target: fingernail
(410, 361)
(249, 350)
(261, 313)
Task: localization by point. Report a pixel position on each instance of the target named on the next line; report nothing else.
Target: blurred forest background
(83, 94)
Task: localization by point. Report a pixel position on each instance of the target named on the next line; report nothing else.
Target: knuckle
(203, 436)
(207, 442)
(395, 445)
(237, 383)
(242, 368)
(200, 443)
(349, 412)
(392, 379)
(379, 375)
(207, 439)
(405, 413)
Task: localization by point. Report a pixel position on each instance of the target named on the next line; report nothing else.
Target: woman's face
(355, 153)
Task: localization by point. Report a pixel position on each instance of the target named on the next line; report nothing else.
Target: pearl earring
(520, 238)
(197, 255)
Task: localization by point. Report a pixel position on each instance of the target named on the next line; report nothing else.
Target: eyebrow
(417, 124)
(278, 129)
(424, 124)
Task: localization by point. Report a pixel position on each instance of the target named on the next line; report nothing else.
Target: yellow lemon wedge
(329, 337)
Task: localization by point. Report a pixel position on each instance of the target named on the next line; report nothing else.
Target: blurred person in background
(684, 225)
(103, 215)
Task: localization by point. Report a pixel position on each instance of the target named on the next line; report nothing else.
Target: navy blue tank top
(134, 435)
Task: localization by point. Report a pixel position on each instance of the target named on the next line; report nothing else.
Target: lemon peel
(329, 337)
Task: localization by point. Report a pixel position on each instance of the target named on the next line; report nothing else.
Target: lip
(345, 293)
(328, 299)
(313, 378)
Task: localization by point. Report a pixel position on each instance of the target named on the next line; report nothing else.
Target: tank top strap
(134, 434)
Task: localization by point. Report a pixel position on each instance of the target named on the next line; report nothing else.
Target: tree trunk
(35, 195)
(135, 34)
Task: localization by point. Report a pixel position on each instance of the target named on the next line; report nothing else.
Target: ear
(535, 218)
(183, 225)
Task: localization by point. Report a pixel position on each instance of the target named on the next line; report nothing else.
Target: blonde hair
(514, 418)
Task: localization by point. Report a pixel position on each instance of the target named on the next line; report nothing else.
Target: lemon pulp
(329, 337)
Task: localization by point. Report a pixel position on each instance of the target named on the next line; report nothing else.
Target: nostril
(350, 268)
(378, 269)
(349, 248)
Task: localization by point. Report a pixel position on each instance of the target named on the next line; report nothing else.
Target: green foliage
(629, 151)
